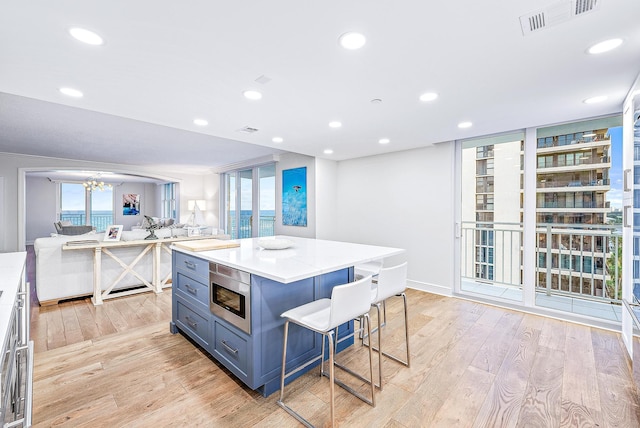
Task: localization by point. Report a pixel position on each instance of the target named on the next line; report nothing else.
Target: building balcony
(585, 164)
(574, 145)
(573, 185)
(575, 210)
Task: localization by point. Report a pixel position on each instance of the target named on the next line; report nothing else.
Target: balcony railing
(99, 221)
(266, 225)
(580, 261)
(559, 142)
(574, 204)
(573, 183)
(491, 252)
(588, 160)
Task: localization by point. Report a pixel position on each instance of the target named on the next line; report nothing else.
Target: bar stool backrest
(391, 281)
(349, 301)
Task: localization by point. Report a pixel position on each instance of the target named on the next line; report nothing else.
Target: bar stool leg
(284, 358)
(406, 328)
(373, 384)
(379, 345)
(331, 377)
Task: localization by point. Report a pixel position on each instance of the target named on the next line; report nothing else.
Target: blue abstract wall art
(294, 197)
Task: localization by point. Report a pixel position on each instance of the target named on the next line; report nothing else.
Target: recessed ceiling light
(328, 152)
(352, 40)
(252, 95)
(465, 125)
(384, 141)
(71, 92)
(200, 122)
(605, 46)
(335, 124)
(277, 139)
(589, 135)
(428, 96)
(86, 36)
(594, 100)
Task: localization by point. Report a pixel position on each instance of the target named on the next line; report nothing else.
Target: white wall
(12, 205)
(289, 161)
(40, 212)
(326, 194)
(148, 203)
(404, 200)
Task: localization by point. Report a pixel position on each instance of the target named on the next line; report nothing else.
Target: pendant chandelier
(93, 184)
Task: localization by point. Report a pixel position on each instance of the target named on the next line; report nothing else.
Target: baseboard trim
(430, 288)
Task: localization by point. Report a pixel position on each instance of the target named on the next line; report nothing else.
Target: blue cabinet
(255, 359)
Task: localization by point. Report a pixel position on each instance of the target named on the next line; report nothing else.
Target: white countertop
(11, 269)
(305, 259)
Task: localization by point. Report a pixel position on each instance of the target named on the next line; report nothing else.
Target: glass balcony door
(85, 207)
(491, 217)
(578, 218)
(249, 202)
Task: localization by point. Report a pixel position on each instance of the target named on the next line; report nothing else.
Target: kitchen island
(229, 300)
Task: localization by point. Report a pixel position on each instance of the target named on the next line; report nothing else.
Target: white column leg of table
(97, 276)
(157, 249)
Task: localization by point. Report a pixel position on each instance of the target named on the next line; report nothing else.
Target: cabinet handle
(190, 265)
(191, 290)
(229, 348)
(191, 323)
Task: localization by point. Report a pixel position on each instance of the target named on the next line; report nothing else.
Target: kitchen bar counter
(305, 259)
(238, 322)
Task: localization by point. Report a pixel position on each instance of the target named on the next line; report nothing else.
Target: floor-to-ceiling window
(169, 205)
(81, 206)
(249, 202)
(491, 228)
(574, 212)
(579, 217)
(267, 206)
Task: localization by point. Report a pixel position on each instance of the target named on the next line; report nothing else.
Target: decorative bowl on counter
(274, 243)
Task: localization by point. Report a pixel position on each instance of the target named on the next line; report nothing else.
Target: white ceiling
(165, 63)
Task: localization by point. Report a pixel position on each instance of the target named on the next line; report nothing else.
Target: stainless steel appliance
(230, 295)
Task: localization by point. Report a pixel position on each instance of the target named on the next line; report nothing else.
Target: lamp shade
(191, 204)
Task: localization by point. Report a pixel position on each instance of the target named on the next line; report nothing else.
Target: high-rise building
(571, 208)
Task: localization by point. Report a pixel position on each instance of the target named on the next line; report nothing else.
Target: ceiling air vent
(248, 130)
(583, 6)
(555, 13)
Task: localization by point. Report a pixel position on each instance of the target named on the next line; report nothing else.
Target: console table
(152, 247)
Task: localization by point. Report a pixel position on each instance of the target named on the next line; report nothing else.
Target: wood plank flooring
(472, 366)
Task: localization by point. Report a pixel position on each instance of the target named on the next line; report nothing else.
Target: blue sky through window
(73, 195)
(614, 195)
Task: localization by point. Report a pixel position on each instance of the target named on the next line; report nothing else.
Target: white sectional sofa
(63, 274)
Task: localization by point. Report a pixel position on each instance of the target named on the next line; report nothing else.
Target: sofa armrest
(76, 230)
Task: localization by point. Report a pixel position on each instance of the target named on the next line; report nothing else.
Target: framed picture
(294, 197)
(113, 232)
(130, 204)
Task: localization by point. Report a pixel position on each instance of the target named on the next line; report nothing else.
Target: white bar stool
(367, 269)
(348, 301)
(391, 282)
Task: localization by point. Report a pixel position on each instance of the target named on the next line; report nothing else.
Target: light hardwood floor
(472, 366)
